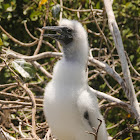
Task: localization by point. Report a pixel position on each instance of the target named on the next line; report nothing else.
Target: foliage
(15, 14)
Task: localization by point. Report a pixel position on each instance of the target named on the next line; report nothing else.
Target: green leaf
(128, 4)
(132, 57)
(1, 43)
(34, 15)
(103, 86)
(136, 128)
(127, 138)
(129, 35)
(4, 37)
(98, 5)
(5, 6)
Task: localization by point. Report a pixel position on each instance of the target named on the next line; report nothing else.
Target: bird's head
(73, 38)
(67, 32)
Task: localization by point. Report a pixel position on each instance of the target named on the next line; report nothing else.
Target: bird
(70, 109)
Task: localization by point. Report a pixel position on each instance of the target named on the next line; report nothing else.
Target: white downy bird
(69, 107)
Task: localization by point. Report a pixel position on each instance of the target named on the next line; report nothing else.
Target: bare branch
(116, 124)
(18, 103)
(37, 65)
(96, 130)
(24, 86)
(35, 57)
(83, 10)
(14, 96)
(130, 93)
(42, 31)
(98, 63)
(109, 98)
(132, 65)
(5, 136)
(25, 25)
(17, 41)
(61, 12)
(109, 70)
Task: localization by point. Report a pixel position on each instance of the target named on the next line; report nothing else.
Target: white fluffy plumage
(69, 107)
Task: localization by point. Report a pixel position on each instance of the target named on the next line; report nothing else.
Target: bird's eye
(69, 30)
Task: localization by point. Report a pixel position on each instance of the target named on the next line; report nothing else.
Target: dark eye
(69, 30)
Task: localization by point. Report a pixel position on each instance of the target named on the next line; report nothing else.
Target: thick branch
(114, 100)
(98, 63)
(108, 69)
(130, 93)
(35, 57)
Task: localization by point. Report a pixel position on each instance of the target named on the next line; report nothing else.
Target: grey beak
(57, 29)
(61, 34)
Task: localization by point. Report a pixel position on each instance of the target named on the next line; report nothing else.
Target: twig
(107, 82)
(116, 124)
(83, 10)
(109, 98)
(61, 12)
(24, 86)
(17, 41)
(14, 96)
(96, 130)
(36, 64)
(42, 31)
(35, 38)
(5, 136)
(13, 107)
(25, 25)
(19, 103)
(8, 88)
(7, 85)
(47, 136)
(78, 13)
(101, 32)
(20, 131)
(121, 132)
(131, 64)
(109, 70)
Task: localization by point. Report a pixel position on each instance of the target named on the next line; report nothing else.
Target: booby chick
(69, 107)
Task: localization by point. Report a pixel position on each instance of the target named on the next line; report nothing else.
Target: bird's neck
(76, 52)
(71, 69)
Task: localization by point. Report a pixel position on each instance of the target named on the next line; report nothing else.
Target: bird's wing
(88, 108)
(90, 113)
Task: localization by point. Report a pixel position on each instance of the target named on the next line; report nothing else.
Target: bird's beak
(58, 36)
(62, 35)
